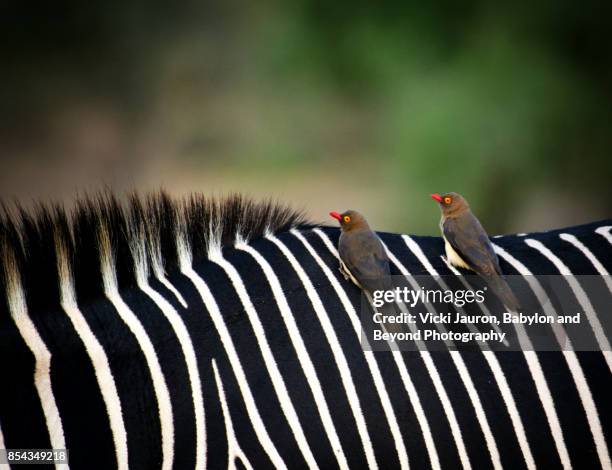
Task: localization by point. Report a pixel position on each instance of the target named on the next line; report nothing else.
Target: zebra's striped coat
(251, 357)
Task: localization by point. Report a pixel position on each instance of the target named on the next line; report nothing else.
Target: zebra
(209, 333)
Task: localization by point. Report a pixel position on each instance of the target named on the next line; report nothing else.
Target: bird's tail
(503, 291)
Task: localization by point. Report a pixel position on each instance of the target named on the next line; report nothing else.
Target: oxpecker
(364, 261)
(467, 245)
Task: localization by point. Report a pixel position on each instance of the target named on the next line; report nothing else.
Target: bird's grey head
(350, 220)
(451, 204)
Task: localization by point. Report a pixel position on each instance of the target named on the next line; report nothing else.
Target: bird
(364, 261)
(468, 246)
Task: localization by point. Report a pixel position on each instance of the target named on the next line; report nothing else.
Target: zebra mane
(38, 245)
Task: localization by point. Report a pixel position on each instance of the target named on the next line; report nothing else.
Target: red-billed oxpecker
(467, 245)
(364, 261)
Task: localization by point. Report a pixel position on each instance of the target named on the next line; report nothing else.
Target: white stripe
(182, 334)
(172, 289)
(226, 339)
(233, 447)
(160, 387)
(605, 232)
(156, 259)
(581, 384)
(42, 373)
(504, 389)
(535, 368)
(406, 380)
(302, 353)
(5, 466)
(338, 353)
(581, 296)
(99, 361)
(461, 367)
(277, 379)
(590, 256)
(439, 387)
(485, 310)
(379, 383)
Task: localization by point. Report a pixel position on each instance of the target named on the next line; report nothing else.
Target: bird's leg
(342, 269)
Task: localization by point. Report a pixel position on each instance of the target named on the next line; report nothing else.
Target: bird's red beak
(437, 197)
(336, 216)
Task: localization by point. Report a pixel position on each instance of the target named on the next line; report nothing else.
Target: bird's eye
(347, 219)
(447, 200)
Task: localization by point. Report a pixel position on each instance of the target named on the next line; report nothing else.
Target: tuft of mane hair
(39, 246)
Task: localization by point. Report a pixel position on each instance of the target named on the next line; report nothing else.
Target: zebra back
(223, 335)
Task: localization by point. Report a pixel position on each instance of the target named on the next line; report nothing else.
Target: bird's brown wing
(471, 242)
(365, 257)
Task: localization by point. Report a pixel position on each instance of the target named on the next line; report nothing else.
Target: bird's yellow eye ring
(347, 219)
(447, 200)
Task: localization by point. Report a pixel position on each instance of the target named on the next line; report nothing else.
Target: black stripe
(373, 412)
(598, 245)
(172, 361)
(287, 360)
(133, 381)
(75, 388)
(569, 408)
(318, 347)
(253, 365)
(21, 416)
(207, 345)
(531, 411)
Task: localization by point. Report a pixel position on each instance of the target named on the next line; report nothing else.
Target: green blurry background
(326, 105)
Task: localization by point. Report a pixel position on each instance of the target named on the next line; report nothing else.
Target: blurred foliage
(504, 102)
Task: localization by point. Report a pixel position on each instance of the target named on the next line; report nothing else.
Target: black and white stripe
(241, 349)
